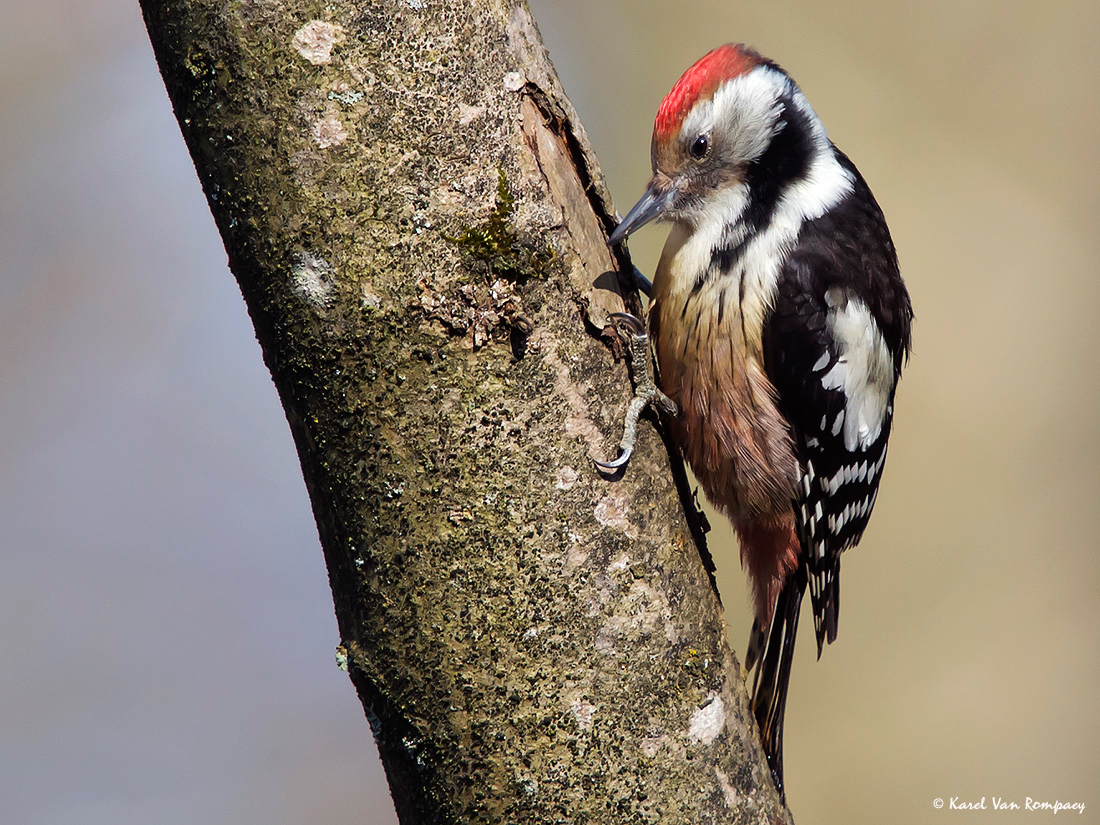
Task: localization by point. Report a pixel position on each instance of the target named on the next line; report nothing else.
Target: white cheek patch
(864, 370)
(750, 109)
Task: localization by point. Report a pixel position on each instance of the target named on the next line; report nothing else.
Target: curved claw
(630, 434)
(646, 391)
(632, 322)
(611, 466)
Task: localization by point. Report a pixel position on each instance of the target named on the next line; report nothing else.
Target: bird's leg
(645, 391)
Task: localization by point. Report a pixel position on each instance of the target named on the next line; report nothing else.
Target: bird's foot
(645, 393)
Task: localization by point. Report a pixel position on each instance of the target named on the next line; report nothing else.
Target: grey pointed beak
(655, 201)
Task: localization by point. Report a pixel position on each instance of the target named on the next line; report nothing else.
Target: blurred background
(166, 630)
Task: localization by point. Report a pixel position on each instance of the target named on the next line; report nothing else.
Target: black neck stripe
(786, 160)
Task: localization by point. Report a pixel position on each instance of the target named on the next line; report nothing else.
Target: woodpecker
(780, 322)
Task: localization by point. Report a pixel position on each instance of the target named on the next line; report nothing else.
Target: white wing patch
(864, 370)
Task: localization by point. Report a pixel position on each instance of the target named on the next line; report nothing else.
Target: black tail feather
(775, 652)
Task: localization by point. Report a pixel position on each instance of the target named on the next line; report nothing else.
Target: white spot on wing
(867, 377)
(834, 378)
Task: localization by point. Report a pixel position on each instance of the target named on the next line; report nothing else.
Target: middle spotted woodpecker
(780, 323)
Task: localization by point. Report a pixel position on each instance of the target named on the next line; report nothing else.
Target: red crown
(701, 80)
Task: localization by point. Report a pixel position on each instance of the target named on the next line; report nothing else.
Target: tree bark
(418, 227)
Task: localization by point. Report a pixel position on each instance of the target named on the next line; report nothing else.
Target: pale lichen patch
(312, 278)
(621, 564)
(577, 422)
(468, 114)
(583, 712)
(316, 39)
(343, 93)
(604, 646)
(729, 793)
(707, 722)
(328, 131)
(514, 81)
(566, 478)
(577, 556)
(612, 511)
(640, 610)
(370, 299)
(651, 746)
(488, 311)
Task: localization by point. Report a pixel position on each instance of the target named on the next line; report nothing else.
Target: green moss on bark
(498, 245)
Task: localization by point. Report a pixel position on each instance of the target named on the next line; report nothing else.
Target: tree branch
(418, 226)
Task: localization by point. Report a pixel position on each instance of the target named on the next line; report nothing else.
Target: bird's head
(711, 131)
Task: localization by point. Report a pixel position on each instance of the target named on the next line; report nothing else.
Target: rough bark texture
(418, 227)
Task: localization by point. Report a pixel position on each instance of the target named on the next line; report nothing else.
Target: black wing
(840, 282)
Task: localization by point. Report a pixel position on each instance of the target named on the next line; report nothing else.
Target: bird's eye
(699, 147)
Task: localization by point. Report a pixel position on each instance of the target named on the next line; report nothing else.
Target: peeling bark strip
(532, 643)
